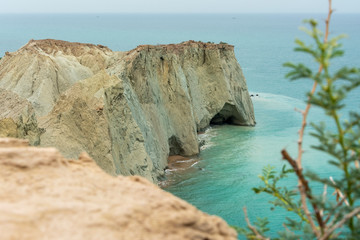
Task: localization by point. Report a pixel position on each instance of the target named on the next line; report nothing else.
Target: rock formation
(41, 70)
(45, 196)
(17, 118)
(128, 110)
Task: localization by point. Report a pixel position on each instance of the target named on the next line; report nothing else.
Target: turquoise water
(220, 183)
(229, 166)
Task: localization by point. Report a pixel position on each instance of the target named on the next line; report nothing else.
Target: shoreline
(179, 165)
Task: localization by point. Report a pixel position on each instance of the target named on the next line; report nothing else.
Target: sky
(176, 6)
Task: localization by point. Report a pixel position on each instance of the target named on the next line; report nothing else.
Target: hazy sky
(176, 6)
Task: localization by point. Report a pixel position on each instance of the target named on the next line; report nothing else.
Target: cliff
(45, 196)
(41, 70)
(128, 110)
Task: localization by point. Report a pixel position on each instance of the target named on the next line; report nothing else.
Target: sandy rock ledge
(45, 196)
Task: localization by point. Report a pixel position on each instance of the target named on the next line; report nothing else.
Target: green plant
(318, 215)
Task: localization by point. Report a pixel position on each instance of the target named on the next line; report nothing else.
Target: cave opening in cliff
(174, 146)
(227, 115)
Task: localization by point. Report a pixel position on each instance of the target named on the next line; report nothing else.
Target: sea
(220, 180)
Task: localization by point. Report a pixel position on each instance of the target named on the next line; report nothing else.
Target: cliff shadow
(175, 147)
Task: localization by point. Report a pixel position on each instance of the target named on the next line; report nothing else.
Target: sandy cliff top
(45, 196)
(51, 46)
(177, 48)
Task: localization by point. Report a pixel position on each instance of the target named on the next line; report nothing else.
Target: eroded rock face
(128, 110)
(17, 118)
(181, 87)
(43, 69)
(45, 196)
(77, 122)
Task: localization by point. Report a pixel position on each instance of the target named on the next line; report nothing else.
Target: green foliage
(260, 224)
(332, 218)
(283, 197)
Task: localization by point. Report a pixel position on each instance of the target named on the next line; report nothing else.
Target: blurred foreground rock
(45, 196)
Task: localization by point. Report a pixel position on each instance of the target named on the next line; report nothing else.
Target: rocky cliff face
(45, 196)
(41, 70)
(128, 110)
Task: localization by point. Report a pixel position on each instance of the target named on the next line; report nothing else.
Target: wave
(205, 138)
(276, 100)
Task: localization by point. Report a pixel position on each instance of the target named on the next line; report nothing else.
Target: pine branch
(252, 228)
(340, 223)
